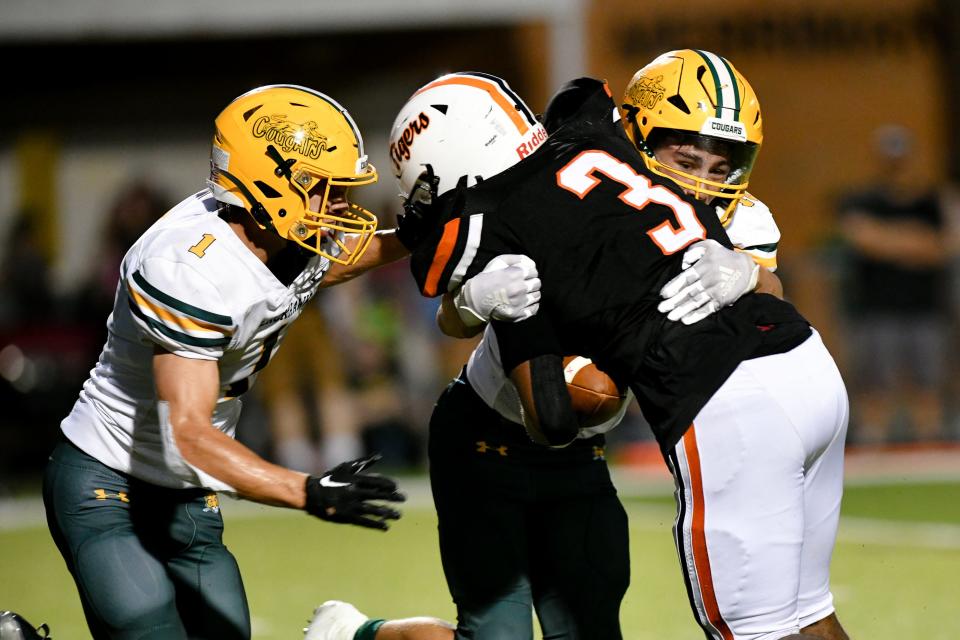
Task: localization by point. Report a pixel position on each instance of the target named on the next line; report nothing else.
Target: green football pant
(149, 562)
(523, 527)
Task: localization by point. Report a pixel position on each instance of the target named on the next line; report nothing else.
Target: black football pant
(149, 562)
(524, 527)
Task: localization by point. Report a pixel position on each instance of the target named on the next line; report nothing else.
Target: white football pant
(759, 479)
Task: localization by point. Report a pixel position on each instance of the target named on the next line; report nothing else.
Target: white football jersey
(190, 286)
(751, 228)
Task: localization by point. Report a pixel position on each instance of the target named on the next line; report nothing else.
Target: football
(595, 396)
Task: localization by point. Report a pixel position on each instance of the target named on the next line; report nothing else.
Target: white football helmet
(462, 124)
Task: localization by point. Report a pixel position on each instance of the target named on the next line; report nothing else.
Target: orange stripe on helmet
(492, 89)
(441, 257)
(701, 559)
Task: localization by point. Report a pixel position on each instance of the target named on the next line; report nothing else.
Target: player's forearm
(768, 282)
(219, 455)
(384, 248)
(450, 322)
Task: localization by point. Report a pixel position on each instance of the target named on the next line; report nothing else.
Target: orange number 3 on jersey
(578, 177)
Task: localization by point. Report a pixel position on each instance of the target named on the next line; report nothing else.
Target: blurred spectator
(898, 297)
(306, 382)
(25, 290)
(43, 355)
(336, 387)
(368, 315)
(135, 207)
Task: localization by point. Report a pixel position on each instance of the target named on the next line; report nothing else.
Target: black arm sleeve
(535, 341)
(523, 341)
(557, 421)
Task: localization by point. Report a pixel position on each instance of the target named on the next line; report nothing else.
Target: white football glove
(507, 289)
(712, 277)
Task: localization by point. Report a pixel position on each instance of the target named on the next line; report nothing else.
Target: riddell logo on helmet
(536, 139)
(304, 138)
(400, 148)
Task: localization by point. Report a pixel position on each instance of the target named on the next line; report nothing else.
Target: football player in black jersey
(521, 507)
(746, 404)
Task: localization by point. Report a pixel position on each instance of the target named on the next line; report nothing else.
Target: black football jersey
(606, 235)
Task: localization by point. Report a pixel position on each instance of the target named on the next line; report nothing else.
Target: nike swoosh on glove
(343, 495)
(711, 278)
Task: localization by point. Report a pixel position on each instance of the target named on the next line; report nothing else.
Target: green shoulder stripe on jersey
(183, 338)
(769, 248)
(172, 302)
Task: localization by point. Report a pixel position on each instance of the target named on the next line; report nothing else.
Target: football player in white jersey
(204, 299)
(664, 116)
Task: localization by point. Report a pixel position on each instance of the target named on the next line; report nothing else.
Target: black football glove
(421, 212)
(342, 495)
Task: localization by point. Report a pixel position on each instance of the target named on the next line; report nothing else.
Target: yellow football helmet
(700, 97)
(279, 148)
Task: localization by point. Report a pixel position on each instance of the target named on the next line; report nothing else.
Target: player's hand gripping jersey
(188, 286)
(606, 235)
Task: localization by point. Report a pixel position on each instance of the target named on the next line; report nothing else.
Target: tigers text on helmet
(284, 153)
(698, 97)
(462, 124)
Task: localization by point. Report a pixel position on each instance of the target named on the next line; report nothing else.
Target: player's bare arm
(450, 322)
(384, 248)
(768, 282)
(190, 388)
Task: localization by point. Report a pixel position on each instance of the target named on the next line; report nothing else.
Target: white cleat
(334, 620)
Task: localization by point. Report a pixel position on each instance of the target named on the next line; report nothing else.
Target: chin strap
(257, 210)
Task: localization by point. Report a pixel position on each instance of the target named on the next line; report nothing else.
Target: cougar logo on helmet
(304, 139)
(647, 92)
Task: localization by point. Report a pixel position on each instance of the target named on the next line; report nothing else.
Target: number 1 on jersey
(578, 177)
(201, 247)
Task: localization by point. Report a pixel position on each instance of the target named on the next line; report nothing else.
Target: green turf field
(895, 568)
